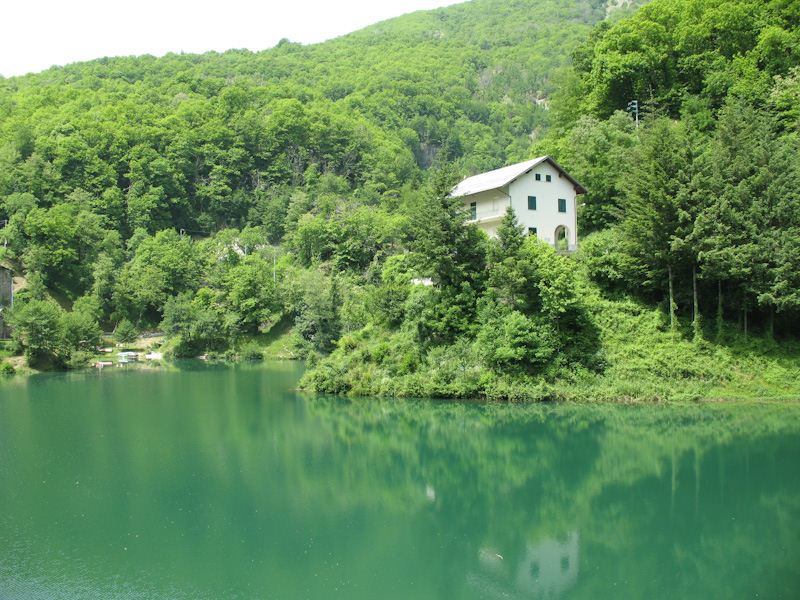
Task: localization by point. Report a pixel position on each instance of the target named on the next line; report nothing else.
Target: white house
(542, 194)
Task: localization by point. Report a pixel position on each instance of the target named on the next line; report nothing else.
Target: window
(532, 231)
(562, 205)
(538, 177)
(531, 202)
(473, 211)
(548, 178)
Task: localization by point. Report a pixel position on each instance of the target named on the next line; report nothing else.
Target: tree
(251, 297)
(652, 221)
(37, 326)
(81, 331)
(451, 253)
(597, 152)
(195, 321)
(61, 243)
(162, 265)
(125, 332)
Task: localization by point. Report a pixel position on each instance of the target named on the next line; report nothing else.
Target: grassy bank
(279, 343)
(639, 360)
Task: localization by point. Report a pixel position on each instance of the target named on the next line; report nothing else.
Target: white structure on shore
(542, 194)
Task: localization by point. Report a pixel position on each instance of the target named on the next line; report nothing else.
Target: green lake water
(228, 484)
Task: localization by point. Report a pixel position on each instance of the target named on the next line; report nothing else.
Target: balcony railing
(487, 215)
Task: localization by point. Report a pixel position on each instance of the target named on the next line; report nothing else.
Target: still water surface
(226, 483)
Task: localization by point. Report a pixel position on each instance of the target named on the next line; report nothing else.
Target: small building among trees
(542, 194)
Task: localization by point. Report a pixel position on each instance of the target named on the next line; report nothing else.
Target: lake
(226, 483)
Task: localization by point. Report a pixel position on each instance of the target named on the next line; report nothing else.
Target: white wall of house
(490, 208)
(546, 218)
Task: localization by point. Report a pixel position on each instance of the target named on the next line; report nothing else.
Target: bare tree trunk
(672, 324)
(771, 323)
(696, 326)
(744, 310)
(719, 311)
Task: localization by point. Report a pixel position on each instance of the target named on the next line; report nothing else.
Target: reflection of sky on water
(545, 570)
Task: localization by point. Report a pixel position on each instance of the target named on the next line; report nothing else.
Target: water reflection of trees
(653, 498)
(635, 485)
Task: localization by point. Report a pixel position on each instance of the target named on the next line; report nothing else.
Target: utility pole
(633, 108)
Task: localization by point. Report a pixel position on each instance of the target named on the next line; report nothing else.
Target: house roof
(498, 178)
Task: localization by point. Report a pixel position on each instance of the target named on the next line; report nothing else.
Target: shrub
(125, 332)
(514, 341)
(606, 261)
(37, 326)
(251, 351)
(79, 360)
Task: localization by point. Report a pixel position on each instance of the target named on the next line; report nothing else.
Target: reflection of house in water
(550, 567)
(546, 570)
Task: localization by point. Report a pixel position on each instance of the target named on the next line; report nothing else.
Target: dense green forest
(225, 197)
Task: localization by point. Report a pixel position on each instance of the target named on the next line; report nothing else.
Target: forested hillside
(203, 142)
(104, 166)
(709, 186)
(696, 212)
(224, 198)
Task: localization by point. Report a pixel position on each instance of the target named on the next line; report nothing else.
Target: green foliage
(81, 331)
(161, 266)
(672, 50)
(513, 341)
(315, 299)
(604, 256)
(250, 297)
(309, 186)
(61, 243)
(702, 196)
(37, 326)
(599, 153)
(251, 351)
(125, 332)
(195, 322)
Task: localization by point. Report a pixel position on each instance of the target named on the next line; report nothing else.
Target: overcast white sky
(37, 34)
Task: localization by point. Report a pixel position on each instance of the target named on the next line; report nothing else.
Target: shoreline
(550, 394)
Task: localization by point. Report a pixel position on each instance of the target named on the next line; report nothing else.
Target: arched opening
(562, 238)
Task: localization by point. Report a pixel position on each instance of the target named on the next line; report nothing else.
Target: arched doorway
(561, 238)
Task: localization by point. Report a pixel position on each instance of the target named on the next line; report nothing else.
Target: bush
(125, 332)
(251, 351)
(606, 260)
(6, 368)
(79, 360)
(37, 326)
(514, 341)
(81, 331)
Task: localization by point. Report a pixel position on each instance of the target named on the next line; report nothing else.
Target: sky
(37, 34)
